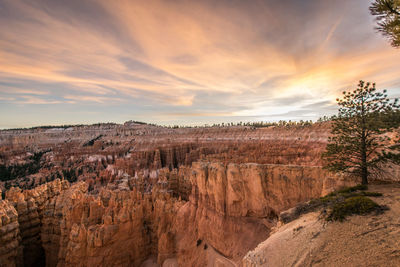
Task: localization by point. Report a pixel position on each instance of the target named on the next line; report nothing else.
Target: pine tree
(387, 13)
(359, 144)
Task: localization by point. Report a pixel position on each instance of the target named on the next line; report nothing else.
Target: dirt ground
(371, 240)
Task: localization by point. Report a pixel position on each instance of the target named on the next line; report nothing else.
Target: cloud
(19, 91)
(32, 100)
(8, 99)
(87, 98)
(239, 58)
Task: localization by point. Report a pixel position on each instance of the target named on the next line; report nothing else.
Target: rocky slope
(371, 240)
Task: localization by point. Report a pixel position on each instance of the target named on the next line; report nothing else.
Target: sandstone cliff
(29, 207)
(10, 247)
(230, 209)
(113, 229)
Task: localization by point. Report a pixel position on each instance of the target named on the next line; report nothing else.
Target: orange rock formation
(183, 197)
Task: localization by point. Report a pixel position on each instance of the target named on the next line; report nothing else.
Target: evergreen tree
(387, 13)
(359, 144)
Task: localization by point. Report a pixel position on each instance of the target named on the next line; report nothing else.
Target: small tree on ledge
(359, 144)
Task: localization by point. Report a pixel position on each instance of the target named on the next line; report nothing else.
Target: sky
(185, 62)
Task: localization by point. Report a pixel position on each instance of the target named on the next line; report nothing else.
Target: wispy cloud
(155, 57)
(36, 101)
(96, 99)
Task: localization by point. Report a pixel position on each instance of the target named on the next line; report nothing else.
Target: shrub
(371, 194)
(353, 189)
(339, 204)
(360, 205)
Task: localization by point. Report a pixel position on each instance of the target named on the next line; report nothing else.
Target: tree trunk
(364, 175)
(364, 169)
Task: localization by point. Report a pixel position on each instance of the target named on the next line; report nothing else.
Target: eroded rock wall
(232, 207)
(29, 206)
(113, 228)
(190, 215)
(10, 239)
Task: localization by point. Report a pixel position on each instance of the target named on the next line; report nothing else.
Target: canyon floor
(144, 195)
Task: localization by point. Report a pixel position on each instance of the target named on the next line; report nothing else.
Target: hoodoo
(146, 198)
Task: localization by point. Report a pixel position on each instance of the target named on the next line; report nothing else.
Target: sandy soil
(371, 240)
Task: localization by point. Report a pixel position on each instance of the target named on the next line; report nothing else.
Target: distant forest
(20, 170)
(395, 115)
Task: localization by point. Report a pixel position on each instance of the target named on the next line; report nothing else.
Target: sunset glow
(185, 62)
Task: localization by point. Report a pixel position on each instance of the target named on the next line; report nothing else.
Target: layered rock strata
(233, 207)
(197, 216)
(29, 206)
(10, 246)
(114, 228)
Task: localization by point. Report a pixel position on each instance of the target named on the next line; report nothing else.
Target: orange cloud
(183, 54)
